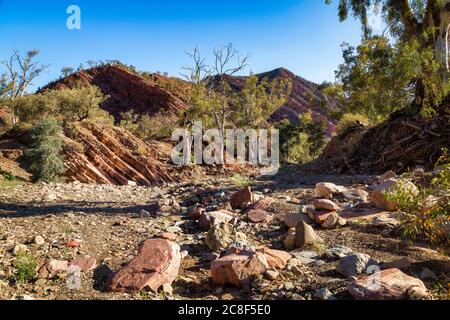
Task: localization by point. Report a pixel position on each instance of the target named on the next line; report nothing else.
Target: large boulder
(156, 264)
(355, 264)
(393, 285)
(238, 269)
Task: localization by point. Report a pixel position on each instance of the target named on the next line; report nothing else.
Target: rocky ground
(69, 222)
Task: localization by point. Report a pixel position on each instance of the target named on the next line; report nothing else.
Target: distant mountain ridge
(129, 91)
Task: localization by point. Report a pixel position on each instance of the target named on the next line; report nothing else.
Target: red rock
(258, 216)
(196, 213)
(157, 263)
(394, 285)
(85, 264)
(238, 270)
(275, 258)
(209, 219)
(325, 204)
(168, 236)
(241, 197)
(322, 216)
(72, 244)
(262, 204)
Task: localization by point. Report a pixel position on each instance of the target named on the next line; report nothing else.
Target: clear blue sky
(301, 35)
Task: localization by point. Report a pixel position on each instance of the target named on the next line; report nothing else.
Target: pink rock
(52, 267)
(275, 258)
(258, 216)
(394, 285)
(210, 219)
(168, 236)
(157, 264)
(388, 175)
(238, 270)
(241, 197)
(85, 264)
(322, 216)
(262, 204)
(325, 204)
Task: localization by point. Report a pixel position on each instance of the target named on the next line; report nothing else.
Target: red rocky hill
(126, 91)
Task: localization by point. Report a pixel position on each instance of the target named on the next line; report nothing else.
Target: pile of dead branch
(401, 143)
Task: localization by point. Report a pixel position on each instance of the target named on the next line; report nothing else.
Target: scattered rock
(394, 285)
(323, 294)
(275, 258)
(325, 204)
(305, 257)
(196, 213)
(327, 189)
(259, 216)
(241, 198)
(20, 248)
(85, 264)
(209, 219)
(331, 221)
(289, 240)
(219, 237)
(52, 267)
(379, 199)
(304, 235)
(168, 236)
(427, 274)
(293, 219)
(403, 263)
(272, 274)
(338, 252)
(387, 176)
(355, 264)
(238, 270)
(157, 263)
(72, 244)
(262, 204)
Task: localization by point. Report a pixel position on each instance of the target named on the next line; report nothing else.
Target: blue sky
(301, 35)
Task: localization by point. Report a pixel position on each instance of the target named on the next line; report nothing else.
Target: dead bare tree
(223, 61)
(20, 73)
(199, 71)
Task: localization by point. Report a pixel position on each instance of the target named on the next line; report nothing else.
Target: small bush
(47, 164)
(426, 213)
(26, 267)
(348, 120)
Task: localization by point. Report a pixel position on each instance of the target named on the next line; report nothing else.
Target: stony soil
(108, 223)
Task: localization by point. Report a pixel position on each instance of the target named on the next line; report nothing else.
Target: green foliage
(240, 181)
(348, 120)
(44, 154)
(7, 175)
(159, 126)
(26, 267)
(427, 212)
(77, 104)
(258, 99)
(294, 144)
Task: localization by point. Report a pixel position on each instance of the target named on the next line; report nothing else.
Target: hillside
(153, 93)
(126, 91)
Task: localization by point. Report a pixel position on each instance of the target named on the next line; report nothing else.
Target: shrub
(26, 267)
(348, 120)
(426, 213)
(47, 164)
